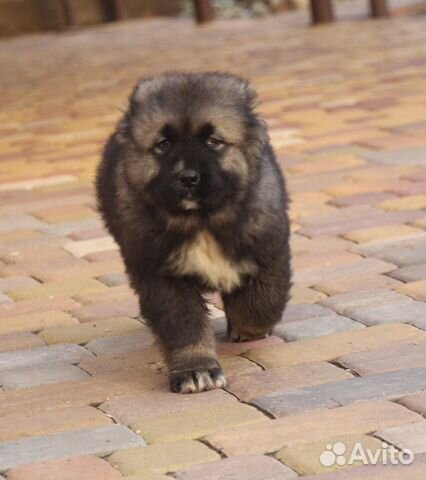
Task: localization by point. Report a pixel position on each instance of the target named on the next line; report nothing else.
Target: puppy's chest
(204, 257)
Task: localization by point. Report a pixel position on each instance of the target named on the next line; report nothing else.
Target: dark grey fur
(190, 190)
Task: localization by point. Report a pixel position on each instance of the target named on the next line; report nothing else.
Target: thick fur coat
(189, 188)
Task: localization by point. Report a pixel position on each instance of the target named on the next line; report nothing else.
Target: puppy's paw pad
(197, 380)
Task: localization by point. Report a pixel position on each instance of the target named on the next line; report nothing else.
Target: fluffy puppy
(190, 189)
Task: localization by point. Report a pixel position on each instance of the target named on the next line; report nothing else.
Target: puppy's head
(193, 141)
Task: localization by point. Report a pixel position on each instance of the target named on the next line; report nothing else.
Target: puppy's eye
(215, 143)
(162, 145)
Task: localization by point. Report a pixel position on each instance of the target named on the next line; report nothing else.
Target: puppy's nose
(189, 178)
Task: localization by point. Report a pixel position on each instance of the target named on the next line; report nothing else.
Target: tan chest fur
(204, 257)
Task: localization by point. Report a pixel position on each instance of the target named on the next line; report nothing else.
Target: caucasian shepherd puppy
(189, 188)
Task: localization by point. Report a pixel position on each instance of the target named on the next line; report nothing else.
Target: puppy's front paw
(196, 380)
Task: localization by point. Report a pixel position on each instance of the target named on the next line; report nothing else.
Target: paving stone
(310, 261)
(33, 322)
(305, 458)
(310, 197)
(121, 343)
(416, 290)
(67, 228)
(43, 249)
(387, 385)
(411, 437)
(85, 332)
(104, 256)
(303, 311)
(98, 440)
(272, 435)
(78, 268)
(415, 471)
(300, 294)
(419, 223)
(334, 345)
(162, 457)
(302, 245)
(70, 353)
(17, 250)
(85, 467)
(347, 224)
(417, 403)
(366, 266)
(27, 377)
(406, 156)
(226, 347)
(315, 327)
(370, 198)
(418, 186)
(234, 365)
(129, 410)
(410, 202)
(12, 283)
(97, 311)
(84, 247)
(39, 200)
(114, 279)
(5, 299)
(385, 232)
(356, 212)
(87, 234)
(393, 357)
(411, 273)
(411, 251)
(26, 424)
(389, 142)
(149, 361)
(249, 386)
(420, 323)
(196, 423)
(357, 284)
(10, 223)
(37, 182)
(67, 287)
(61, 213)
(36, 266)
(18, 235)
(123, 293)
(35, 306)
(249, 467)
(413, 312)
(353, 188)
(147, 475)
(292, 403)
(90, 390)
(366, 298)
(19, 341)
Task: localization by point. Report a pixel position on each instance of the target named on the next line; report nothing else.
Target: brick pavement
(83, 392)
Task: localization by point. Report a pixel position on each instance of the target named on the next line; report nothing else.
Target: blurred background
(25, 16)
(21, 16)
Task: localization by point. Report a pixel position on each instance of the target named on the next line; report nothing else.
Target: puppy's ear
(241, 87)
(143, 89)
(250, 93)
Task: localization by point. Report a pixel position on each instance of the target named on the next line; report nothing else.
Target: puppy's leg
(253, 310)
(178, 316)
